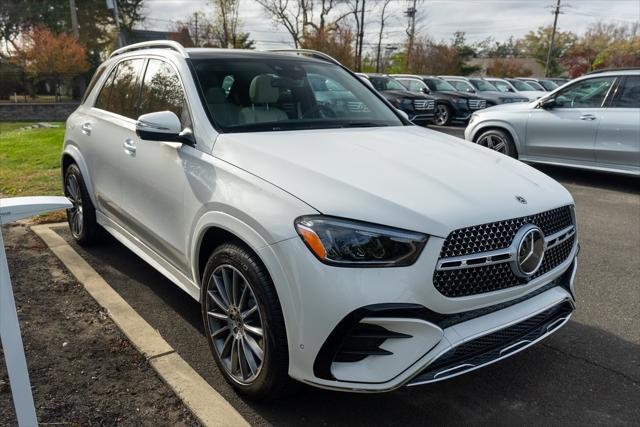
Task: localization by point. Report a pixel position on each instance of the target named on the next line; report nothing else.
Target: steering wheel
(322, 110)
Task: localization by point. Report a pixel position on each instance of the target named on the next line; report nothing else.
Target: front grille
(477, 104)
(494, 236)
(423, 104)
(490, 347)
(500, 234)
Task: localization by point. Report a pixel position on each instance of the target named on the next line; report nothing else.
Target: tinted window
(629, 94)
(386, 83)
(125, 88)
(99, 72)
(461, 86)
(586, 93)
(162, 91)
(102, 101)
(272, 94)
(440, 85)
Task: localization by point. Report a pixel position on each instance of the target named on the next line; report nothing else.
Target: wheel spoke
(234, 356)
(228, 284)
(249, 312)
(255, 348)
(226, 347)
(242, 359)
(218, 316)
(249, 356)
(235, 287)
(221, 290)
(499, 147)
(254, 330)
(220, 331)
(243, 297)
(221, 305)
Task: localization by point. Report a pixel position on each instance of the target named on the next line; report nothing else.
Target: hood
(404, 176)
(510, 106)
(533, 94)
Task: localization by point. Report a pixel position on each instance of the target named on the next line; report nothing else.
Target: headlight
(346, 243)
(461, 101)
(473, 118)
(506, 100)
(407, 101)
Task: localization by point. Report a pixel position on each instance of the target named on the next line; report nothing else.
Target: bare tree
(383, 20)
(291, 14)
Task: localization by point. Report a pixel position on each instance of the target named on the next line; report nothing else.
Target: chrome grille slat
(423, 104)
(489, 246)
(477, 104)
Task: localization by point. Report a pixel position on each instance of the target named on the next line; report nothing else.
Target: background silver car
(591, 123)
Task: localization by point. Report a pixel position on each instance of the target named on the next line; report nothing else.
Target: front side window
(502, 86)
(521, 86)
(628, 95)
(548, 85)
(461, 86)
(417, 86)
(589, 93)
(440, 85)
(386, 83)
(125, 88)
(483, 86)
(162, 91)
(287, 93)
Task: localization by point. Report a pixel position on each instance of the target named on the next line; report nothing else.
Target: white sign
(13, 210)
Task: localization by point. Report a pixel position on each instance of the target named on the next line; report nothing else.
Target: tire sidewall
(75, 171)
(237, 257)
(511, 149)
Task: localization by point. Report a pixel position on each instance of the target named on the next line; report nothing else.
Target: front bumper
(426, 324)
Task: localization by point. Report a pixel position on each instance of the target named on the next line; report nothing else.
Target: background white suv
(327, 239)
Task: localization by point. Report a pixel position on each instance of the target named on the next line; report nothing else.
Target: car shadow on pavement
(603, 180)
(581, 375)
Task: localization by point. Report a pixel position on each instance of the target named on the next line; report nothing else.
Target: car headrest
(262, 91)
(216, 95)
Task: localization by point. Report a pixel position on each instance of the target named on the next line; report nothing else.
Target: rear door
(110, 124)
(618, 139)
(568, 131)
(154, 176)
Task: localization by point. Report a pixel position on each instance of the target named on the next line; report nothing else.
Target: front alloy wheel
(81, 216)
(244, 324)
(74, 213)
(235, 324)
(442, 115)
(498, 140)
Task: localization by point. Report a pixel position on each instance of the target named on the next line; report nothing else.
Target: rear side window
(162, 91)
(96, 76)
(126, 86)
(629, 95)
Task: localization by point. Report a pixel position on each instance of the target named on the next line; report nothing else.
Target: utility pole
(361, 38)
(74, 19)
(196, 25)
(113, 4)
(556, 12)
(411, 14)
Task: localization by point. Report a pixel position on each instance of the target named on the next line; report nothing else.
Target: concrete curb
(203, 401)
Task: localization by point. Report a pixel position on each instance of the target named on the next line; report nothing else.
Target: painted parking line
(203, 401)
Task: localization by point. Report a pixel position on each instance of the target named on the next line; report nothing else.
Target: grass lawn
(30, 160)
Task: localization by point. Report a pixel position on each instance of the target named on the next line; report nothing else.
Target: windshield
(386, 83)
(502, 86)
(260, 95)
(535, 85)
(520, 85)
(548, 85)
(439, 85)
(461, 86)
(483, 86)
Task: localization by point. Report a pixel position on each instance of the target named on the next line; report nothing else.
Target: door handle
(587, 117)
(86, 128)
(129, 147)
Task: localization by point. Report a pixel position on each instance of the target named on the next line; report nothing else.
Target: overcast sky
(439, 18)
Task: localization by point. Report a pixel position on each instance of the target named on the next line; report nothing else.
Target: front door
(154, 180)
(568, 130)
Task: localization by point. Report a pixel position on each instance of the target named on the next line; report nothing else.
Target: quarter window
(589, 93)
(162, 91)
(629, 94)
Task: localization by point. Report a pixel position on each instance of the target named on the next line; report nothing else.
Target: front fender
(71, 150)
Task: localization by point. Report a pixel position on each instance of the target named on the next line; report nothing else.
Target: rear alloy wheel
(244, 323)
(498, 140)
(82, 215)
(442, 115)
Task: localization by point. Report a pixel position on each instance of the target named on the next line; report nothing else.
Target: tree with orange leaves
(44, 55)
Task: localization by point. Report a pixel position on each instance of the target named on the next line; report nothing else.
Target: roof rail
(605, 70)
(312, 53)
(156, 44)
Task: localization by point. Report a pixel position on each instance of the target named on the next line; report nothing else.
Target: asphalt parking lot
(587, 373)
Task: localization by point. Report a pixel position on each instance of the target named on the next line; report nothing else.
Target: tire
(82, 216)
(498, 140)
(442, 115)
(231, 331)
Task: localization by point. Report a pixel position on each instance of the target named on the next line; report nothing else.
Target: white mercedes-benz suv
(327, 239)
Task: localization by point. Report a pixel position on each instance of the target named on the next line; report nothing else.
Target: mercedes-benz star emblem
(521, 200)
(530, 251)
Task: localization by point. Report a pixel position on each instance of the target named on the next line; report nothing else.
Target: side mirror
(510, 90)
(549, 103)
(470, 90)
(403, 114)
(424, 90)
(163, 126)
